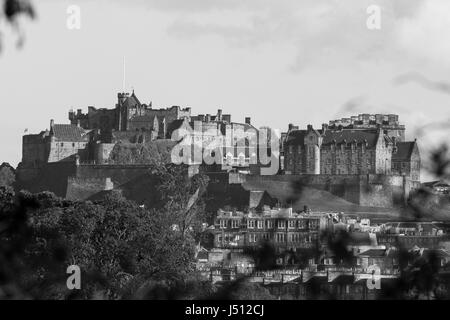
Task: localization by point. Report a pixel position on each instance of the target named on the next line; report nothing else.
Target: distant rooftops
(271, 213)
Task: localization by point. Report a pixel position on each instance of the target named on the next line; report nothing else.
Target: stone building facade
(375, 147)
(282, 227)
(406, 160)
(91, 137)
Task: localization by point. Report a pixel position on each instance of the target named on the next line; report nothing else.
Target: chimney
(291, 126)
(309, 127)
(247, 120)
(219, 115)
(208, 117)
(79, 112)
(52, 122)
(324, 127)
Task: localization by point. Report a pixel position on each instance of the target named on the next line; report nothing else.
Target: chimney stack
(219, 115)
(247, 120)
(309, 127)
(52, 122)
(208, 117)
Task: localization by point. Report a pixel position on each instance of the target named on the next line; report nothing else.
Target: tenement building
(367, 144)
(282, 227)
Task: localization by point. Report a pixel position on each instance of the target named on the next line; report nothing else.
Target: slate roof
(69, 132)
(132, 101)
(404, 151)
(373, 253)
(349, 136)
(175, 125)
(296, 137)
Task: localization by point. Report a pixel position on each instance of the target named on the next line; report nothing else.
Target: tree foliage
(7, 175)
(113, 241)
(11, 10)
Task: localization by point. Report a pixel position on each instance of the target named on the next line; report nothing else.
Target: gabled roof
(349, 136)
(176, 124)
(404, 151)
(297, 137)
(132, 101)
(69, 132)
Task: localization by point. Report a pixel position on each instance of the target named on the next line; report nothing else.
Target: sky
(279, 62)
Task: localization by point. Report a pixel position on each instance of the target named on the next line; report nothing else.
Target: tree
(7, 175)
(114, 242)
(11, 10)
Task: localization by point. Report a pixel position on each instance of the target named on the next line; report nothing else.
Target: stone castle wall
(371, 190)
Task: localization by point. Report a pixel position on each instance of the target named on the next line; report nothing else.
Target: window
(73, 144)
(251, 224)
(223, 224)
(281, 224)
(252, 237)
(301, 224)
(235, 224)
(291, 224)
(280, 237)
(62, 144)
(269, 224)
(260, 224)
(294, 237)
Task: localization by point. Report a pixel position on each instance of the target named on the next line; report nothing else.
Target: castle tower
(313, 142)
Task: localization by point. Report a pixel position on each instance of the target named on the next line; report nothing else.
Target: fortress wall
(344, 186)
(119, 174)
(83, 188)
(365, 190)
(51, 177)
(91, 179)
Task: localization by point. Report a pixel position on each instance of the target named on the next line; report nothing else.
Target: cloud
(322, 31)
(440, 86)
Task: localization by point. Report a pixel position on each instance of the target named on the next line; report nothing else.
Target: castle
(362, 159)
(90, 137)
(364, 144)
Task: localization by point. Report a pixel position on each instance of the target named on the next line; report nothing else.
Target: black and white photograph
(228, 154)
